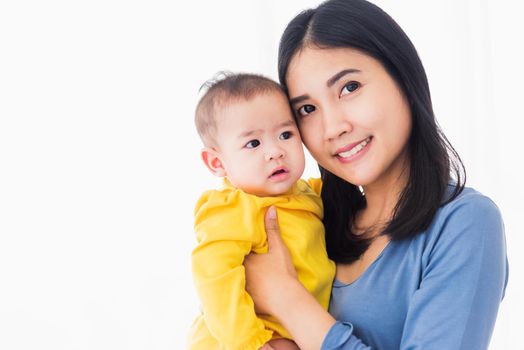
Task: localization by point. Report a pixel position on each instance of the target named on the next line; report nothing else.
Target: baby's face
(259, 145)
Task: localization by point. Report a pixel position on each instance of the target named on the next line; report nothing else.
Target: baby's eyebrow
(248, 133)
(286, 123)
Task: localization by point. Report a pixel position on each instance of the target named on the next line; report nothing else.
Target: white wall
(99, 163)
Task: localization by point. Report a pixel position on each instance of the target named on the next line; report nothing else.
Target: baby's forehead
(263, 113)
(271, 95)
(274, 101)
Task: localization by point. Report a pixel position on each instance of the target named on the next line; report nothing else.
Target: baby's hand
(280, 344)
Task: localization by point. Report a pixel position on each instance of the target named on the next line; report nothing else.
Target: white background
(99, 164)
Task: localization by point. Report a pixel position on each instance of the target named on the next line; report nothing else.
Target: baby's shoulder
(313, 183)
(225, 197)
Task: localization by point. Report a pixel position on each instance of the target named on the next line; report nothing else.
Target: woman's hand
(280, 344)
(272, 282)
(267, 275)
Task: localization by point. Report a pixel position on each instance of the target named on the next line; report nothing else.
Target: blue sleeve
(463, 281)
(461, 288)
(340, 336)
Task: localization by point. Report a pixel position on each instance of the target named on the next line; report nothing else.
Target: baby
(252, 141)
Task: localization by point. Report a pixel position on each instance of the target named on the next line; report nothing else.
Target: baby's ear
(213, 162)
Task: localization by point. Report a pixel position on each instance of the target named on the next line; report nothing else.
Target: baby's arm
(228, 309)
(219, 276)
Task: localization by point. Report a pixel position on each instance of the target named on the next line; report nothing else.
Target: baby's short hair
(223, 89)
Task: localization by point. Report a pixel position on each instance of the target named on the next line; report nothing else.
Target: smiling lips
(353, 149)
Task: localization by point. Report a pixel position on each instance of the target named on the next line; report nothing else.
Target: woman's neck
(382, 197)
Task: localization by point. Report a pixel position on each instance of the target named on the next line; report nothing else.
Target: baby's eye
(253, 144)
(305, 110)
(349, 87)
(285, 135)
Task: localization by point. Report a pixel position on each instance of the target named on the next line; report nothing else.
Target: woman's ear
(213, 162)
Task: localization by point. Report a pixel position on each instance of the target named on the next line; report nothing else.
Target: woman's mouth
(351, 151)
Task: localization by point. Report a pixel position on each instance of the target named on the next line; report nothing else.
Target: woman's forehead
(321, 66)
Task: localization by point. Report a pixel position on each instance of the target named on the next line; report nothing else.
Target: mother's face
(353, 118)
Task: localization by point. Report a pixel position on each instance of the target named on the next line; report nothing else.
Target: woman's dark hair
(434, 163)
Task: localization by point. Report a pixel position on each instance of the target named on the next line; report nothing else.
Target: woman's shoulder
(470, 214)
(469, 201)
(467, 236)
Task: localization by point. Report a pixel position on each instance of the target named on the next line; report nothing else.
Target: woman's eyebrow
(298, 99)
(331, 81)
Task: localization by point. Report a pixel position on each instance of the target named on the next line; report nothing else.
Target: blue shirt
(438, 290)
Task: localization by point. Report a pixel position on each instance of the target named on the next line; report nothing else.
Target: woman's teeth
(355, 149)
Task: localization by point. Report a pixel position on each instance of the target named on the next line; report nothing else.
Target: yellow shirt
(229, 224)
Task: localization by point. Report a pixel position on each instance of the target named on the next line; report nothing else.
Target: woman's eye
(285, 135)
(253, 144)
(350, 87)
(305, 110)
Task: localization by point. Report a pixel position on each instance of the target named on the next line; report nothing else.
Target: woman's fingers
(266, 273)
(272, 230)
(276, 246)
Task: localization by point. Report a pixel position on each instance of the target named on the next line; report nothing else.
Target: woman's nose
(335, 123)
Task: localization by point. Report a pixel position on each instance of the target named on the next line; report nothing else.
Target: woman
(421, 259)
